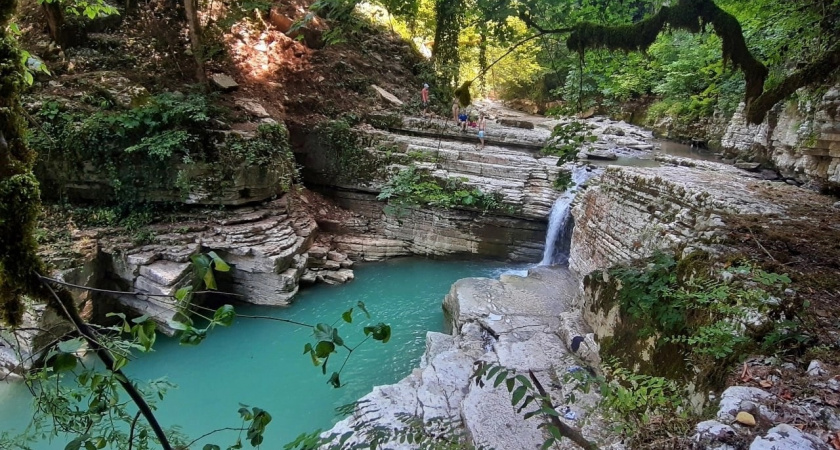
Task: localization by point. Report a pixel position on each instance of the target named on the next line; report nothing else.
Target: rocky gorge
(554, 320)
(551, 322)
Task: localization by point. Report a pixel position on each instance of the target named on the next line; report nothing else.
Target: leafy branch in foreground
(528, 391)
(89, 407)
(439, 433)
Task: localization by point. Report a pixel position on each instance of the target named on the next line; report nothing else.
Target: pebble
(834, 384)
(745, 418)
(748, 406)
(789, 366)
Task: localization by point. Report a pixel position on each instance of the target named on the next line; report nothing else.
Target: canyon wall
(800, 138)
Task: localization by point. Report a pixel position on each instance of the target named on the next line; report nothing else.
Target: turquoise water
(260, 363)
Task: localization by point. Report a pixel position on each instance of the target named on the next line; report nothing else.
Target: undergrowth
(157, 145)
(567, 139)
(713, 314)
(411, 186)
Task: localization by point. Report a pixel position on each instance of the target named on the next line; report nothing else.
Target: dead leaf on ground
(835, 441)
(765, 383)
(746, 375)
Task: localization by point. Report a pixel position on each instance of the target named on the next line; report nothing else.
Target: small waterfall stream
(560, 223)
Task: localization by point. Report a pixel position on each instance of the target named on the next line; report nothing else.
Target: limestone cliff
(799, 138)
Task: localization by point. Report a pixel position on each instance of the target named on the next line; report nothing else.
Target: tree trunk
(55, 21)
(191, 8)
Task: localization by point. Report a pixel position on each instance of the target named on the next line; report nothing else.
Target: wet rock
(224, 82)
(748, 166)
(340, 276)
(516, 123)
(770, 175)
(601, 156)
(786, 437)
(614, 130)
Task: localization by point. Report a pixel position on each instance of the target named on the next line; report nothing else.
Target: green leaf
(348, 316)
(379, 332)
(89, 445)
(211, 447)
(120, 315)
(181, 294)
(323, 332)
(140, 319)
(209, 280)
(500, 378)
(71, 346)
(75, 444)
(324, 348)
(518, 394)
(361, 306)
(334, 380)
(337, 339)
(510, 382)
(64, 362)
(119, 363)
(218, 263)
(178, 326)
(224, 316)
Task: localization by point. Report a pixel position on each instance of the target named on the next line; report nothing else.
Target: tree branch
(567, 431)
(812, 73)
(105, 356)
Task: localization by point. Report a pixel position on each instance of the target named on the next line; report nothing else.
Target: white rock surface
(786, 437)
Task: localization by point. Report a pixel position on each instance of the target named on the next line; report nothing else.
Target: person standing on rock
(424, 97)
(482, 126)
(455, 109)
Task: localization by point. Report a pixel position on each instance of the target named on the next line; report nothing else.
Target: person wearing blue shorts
(462, 120)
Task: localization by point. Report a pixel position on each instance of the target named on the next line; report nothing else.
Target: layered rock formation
(633, 211)
(510, 167)
(800, 139)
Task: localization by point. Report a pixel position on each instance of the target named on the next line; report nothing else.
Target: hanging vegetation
(463, 94)
(689, 15)
(450, 15)
(811, 73)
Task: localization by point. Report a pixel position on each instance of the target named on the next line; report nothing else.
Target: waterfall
(560, 222)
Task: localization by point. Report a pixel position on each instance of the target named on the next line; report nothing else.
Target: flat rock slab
(387, 95)
(547, 293)
(224, 82)
(516, 123)
(165, 273)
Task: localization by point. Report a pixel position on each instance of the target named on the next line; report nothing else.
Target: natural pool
(261, 363)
